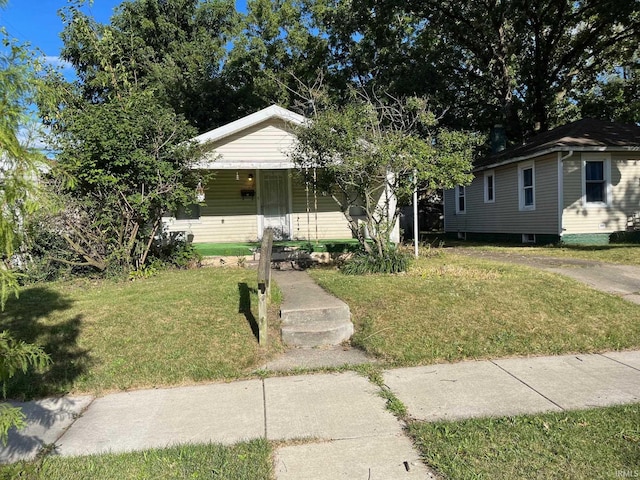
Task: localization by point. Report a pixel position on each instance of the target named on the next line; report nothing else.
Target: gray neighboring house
(579, 183)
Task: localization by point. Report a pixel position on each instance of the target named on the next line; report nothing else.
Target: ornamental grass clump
(393, 261)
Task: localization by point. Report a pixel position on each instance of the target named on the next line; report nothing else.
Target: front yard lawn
(243, 461)
(599, 443)
(451, 308)
(175, 328)
(625, 254)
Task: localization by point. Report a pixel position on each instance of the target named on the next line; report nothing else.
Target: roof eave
(274, 111)
(564, 148)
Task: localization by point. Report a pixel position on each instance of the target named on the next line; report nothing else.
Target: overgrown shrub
(393, 261)
(177, 251)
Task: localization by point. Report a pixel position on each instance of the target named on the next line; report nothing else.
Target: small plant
(393, 261)
(241, 262)
(146, 271)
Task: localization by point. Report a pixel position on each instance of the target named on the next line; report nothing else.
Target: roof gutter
(571, 150)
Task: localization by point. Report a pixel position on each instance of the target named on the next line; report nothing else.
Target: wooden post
(264, 284)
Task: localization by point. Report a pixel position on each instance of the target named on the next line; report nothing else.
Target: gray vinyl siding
(578, 218)
(504, 215)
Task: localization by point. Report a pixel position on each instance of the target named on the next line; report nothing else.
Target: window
(527, 187)
(528, 238)
(489, 187)
(462, 235)
(188, 212)
(595, 175)
(461, 206)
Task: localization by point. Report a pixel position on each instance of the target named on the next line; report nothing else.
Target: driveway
(621, 280)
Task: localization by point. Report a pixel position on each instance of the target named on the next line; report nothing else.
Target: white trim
(521, 194)
(457, 198)
(259, 204)
(547, 151)
(214, 165)
(290, 204)
(288, 215)
(274, 111)
(606, 171)
(487, 174)
(561, 191)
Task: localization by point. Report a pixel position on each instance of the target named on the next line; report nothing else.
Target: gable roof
(583, 135)
(269, 113)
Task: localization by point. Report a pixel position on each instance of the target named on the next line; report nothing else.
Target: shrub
(393, 261)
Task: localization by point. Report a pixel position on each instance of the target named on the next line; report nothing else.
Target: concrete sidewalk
(348, 431)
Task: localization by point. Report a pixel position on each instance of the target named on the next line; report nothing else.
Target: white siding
(625, 191)
(266, 142)
(226, 216)
(331, 222)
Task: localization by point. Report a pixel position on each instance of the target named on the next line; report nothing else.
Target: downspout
(561, 159)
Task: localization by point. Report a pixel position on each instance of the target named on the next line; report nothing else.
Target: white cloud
(57, 62)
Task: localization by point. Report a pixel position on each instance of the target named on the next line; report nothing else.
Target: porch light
(199, 193)
(251, 177)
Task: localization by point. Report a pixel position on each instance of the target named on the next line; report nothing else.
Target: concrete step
(317, 333)
(337, 311)
(310, 316)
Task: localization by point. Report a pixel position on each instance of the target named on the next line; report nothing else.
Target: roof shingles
(585, 134)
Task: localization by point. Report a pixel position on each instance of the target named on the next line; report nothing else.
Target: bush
(395, 261)
(177, 251)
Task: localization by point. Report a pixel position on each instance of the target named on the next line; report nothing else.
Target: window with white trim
(489, 187)
(461, 199)
(596, 174)
(527, 186)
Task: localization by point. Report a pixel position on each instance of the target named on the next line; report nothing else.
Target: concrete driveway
(621, 280)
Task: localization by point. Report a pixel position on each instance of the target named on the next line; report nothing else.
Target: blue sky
(37, 21)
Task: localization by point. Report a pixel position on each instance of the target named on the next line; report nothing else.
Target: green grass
(625, 254)
(244, 461)
(178, 327)
(236, 249)
(451, 308)
(600, 443)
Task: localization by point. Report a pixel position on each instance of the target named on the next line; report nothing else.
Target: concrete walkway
(347, 431)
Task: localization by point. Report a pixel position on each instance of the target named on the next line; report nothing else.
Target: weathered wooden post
(264, 284)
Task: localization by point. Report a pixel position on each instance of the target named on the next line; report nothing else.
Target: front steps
(310, 316)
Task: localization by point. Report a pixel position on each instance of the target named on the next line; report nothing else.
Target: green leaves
(367, 154)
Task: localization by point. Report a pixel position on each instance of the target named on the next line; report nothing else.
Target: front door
(274, 195)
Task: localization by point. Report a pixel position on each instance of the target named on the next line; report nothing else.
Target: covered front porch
(254, 185)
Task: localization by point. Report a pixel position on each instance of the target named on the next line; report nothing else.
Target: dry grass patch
(624, 254)
(450, 308)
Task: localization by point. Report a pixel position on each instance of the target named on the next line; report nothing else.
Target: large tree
(522, 63)
(175, 48)
(372, 152)
(123, 150)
